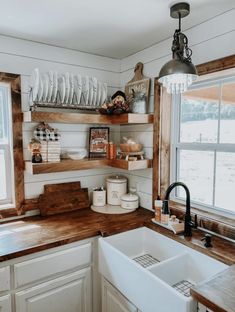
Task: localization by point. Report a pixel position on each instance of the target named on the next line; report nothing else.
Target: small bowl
(130, 148)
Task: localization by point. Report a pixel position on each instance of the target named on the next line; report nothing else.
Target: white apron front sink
(154, 271)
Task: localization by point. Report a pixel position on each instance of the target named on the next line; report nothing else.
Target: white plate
(90, 91)
(45, 82)
(85, 89)
(34, 83)
(51, 85)
(103, 93)
(40, 90)
(55, 86)
(95, 84)
(71, 81)
(61, 86)
(78, 87)
(67, 88)
(98, 97)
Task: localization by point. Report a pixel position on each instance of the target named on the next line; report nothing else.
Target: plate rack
(59, 104)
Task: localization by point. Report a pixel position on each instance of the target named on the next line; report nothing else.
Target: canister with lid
(116, 187)
(130, 201)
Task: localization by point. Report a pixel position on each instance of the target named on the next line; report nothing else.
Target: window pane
(199, 115)
(196, 171)
(3, 188)
(225, 181)
(1, 116)
(227, 114)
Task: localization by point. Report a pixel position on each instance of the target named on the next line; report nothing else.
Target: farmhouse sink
(153, 271)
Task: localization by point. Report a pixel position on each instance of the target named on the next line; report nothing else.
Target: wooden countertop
(38, 233)
(218, 294)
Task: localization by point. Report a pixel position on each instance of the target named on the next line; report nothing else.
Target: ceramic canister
(99, 198)
(130, 201)
(116, 187)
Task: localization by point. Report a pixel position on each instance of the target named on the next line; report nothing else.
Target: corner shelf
(84, 164)
(59, 117)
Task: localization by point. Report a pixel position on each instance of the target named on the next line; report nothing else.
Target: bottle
(158, 209)
(165, 212)
(112, 150)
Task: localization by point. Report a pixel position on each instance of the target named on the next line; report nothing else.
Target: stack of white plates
(67, 89)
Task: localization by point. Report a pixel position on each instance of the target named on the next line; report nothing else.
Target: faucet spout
(187, 217)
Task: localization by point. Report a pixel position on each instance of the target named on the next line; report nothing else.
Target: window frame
(7, 147)
(17, 146)
(162, 138)
(176, 145)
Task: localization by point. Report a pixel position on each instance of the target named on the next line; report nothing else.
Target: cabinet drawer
(4, 278)
(5, 303)
(43, 267)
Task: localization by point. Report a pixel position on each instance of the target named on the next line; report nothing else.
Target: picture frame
(98, 142)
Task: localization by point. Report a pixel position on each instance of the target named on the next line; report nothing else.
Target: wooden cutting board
(63, 201)
(62, 187)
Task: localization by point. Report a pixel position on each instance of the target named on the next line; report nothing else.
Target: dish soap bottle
(158, 209)
(165, 212)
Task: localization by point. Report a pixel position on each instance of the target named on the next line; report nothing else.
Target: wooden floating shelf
(57, 117)
(84, 164)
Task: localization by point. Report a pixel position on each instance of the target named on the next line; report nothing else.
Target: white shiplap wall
(21, 57)
(210, 40)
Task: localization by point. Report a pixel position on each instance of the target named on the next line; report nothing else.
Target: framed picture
(98, 142)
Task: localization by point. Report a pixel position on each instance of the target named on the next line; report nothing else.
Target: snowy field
(196, 167)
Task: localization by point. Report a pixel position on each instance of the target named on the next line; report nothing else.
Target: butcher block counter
(34, 234)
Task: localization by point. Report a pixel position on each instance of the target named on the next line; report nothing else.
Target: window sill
(213, 222)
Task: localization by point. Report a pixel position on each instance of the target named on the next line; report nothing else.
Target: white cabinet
(5, 303)
(113, 300)
(70, 293)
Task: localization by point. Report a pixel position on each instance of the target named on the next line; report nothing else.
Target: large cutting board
(63, 199)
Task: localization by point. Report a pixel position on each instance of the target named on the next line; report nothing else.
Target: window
(203, 144)
(6, 151)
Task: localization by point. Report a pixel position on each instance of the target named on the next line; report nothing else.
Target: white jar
(116, 187)
(130, 201)
(99, 198)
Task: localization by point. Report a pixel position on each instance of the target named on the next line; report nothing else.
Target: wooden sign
(139, 83)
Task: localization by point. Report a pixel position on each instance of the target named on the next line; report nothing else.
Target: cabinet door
(114, 301)
(70, 293)
(5, 303)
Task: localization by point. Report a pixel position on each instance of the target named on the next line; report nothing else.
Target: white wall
(210, 40)
(21, 57)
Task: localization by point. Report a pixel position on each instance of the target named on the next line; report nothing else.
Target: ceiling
(113, 28)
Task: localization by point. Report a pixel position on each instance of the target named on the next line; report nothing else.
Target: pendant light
(179, 73)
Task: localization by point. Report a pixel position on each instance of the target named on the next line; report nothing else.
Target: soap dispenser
(165, 212)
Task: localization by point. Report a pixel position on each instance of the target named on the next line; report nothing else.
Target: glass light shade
(176, 76)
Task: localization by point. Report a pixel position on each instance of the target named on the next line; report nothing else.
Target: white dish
(34, 83)
(85, 89)
(51, 83)
(71, 97)
(103, 93)
(78, 88)
(67, 88)
(45, 82)
(95, 84)
(90, 91)
(55, 86)
(61, 86)
(98, 97)
(40, 90)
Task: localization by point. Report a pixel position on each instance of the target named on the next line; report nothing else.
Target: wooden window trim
(17, 119)
(162, 143)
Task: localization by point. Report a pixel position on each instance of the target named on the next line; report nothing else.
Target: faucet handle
(207, 238)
